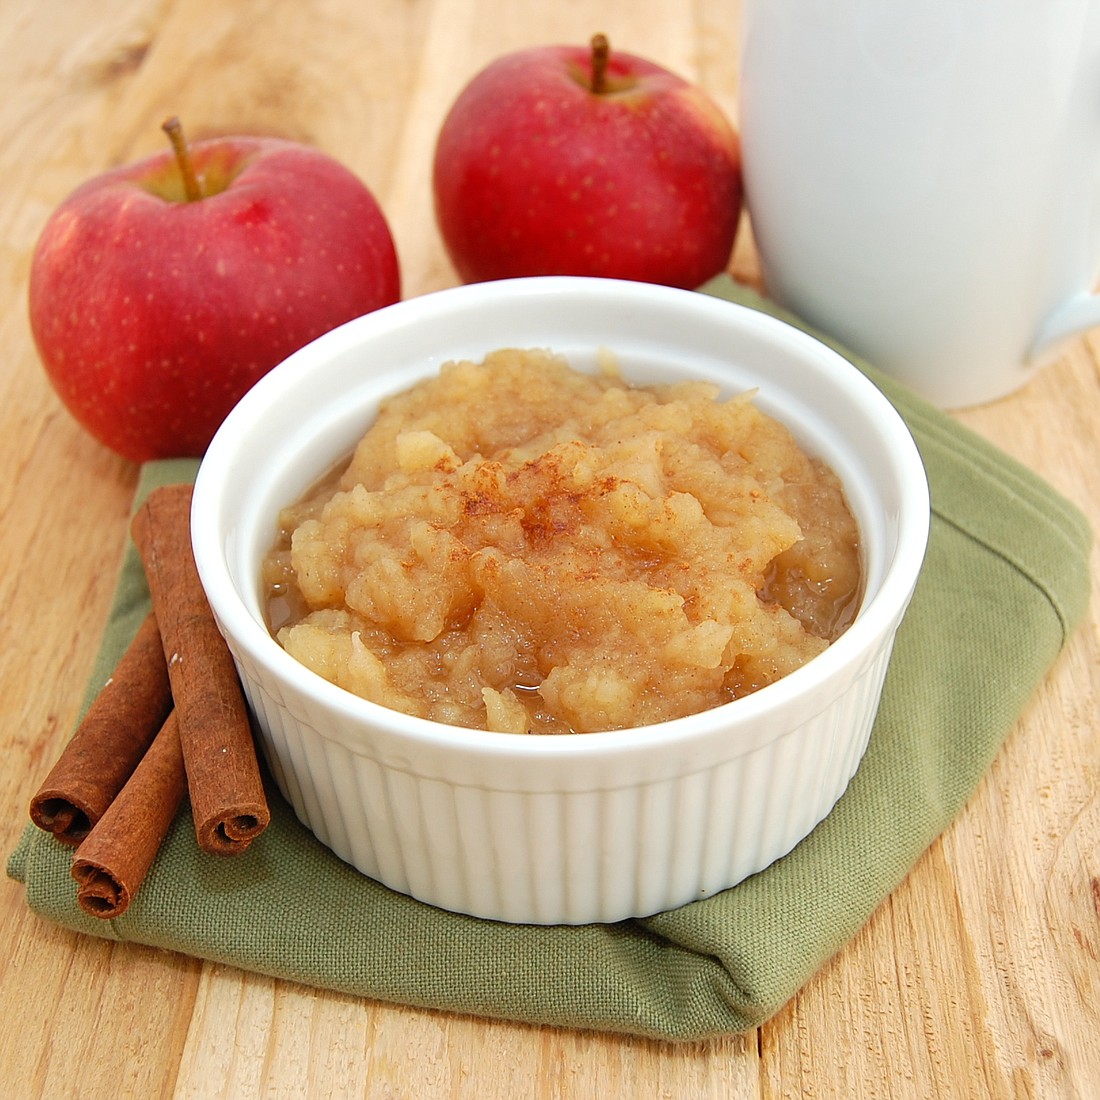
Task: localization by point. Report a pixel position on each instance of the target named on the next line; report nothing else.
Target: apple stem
(601, 50)
(174, 130)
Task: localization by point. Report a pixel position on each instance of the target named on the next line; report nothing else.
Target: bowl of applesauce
(561, 600)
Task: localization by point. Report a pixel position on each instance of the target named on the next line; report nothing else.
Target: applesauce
(521, 547)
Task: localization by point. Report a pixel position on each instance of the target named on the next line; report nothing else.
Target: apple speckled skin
(154, 315)
(536, 174)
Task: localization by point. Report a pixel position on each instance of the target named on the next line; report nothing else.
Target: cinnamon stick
(223, 776)
(114, 859)
(112, 737)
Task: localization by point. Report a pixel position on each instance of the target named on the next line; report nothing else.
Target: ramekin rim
(874, 624)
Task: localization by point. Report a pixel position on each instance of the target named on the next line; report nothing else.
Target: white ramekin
(570, 829)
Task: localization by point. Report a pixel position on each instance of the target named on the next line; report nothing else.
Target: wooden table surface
(979, 976)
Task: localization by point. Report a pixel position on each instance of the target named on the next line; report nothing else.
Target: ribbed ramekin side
(600, 854)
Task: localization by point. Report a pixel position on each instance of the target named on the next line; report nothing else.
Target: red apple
(565, 160)
(161, 291)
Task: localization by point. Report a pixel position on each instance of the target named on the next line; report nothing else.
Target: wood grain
(979, 976)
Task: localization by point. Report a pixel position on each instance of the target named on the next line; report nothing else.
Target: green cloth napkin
(1004, 583)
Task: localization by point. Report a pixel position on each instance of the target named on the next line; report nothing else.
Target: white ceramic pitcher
(923, 179)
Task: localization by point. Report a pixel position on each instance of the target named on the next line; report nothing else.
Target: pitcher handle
(1079, 314)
